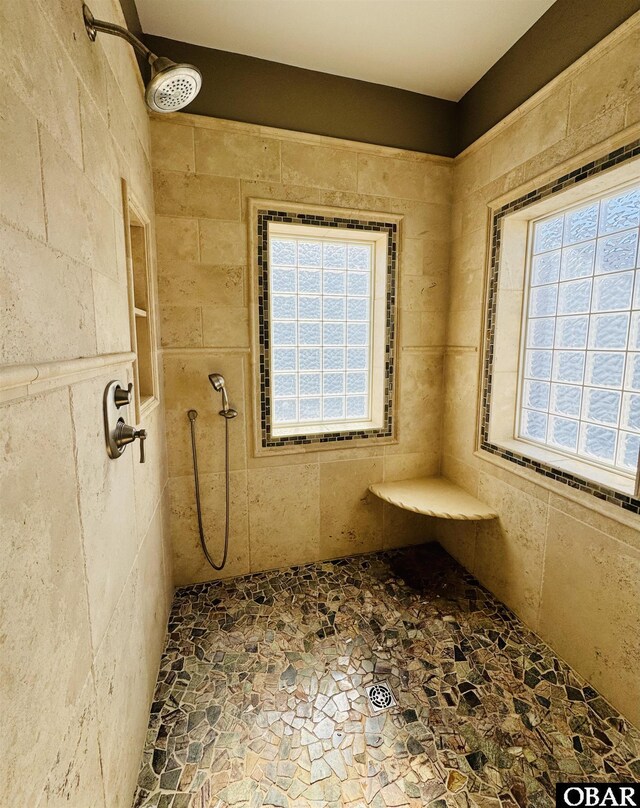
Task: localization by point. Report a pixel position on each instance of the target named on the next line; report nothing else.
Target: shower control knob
(141, 434)
(125, 434)
(122, 397)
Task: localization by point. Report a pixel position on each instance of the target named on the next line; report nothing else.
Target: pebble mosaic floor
(261, 696)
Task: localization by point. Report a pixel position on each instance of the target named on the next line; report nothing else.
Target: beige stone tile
(466, 291)
(151, 609)
(458, 428)
(578, 140)
(464, 327)
(533, 132)
(419, 405)
(83, 227)
(458, 537)
(424, 293)
(609, 519)
(172, 146)
(36, 70)
(150, 477)
(196, 195)
(190, 564)
(461, 373)
(107, 506)
(510, 550)
(412, 464)
(415, 328)
(120, 672)
(412, 256)
(606, 82)
(223, 243)
(591, 608)
(21, 200)
(130, 134)
(189, 283)
(235, 154)
(319, 166)
(464, 474)
(472, 172)
(100, 158)
(111, 305)
(181, 326)
(436, 254)
(76, 776)
(404, 179)
(284, 459)
(342, 452)
(350, 515)
(228, 328)
(176, 239)
(429, 220)
(46, 645)
(47, 302)
(167, 549)
(469, 256)
(632, 114)
(187, 387)
(404, 528)
(284, 516)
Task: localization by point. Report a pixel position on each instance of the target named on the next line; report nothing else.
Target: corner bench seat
(433, 496)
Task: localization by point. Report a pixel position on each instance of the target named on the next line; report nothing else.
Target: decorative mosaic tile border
(587, 171)
(263, 218)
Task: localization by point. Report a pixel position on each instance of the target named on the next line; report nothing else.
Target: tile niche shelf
(433, 496)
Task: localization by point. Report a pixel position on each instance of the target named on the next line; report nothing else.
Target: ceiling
(435, 47)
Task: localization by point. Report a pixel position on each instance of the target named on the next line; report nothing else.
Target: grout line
(193, 149)
(42, 191)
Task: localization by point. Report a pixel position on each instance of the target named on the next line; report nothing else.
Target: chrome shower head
(172, 86)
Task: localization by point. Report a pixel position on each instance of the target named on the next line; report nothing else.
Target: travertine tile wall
(567, 564)
(85, 578)
(294, 508)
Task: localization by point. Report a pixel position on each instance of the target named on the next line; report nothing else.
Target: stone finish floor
(260, 697)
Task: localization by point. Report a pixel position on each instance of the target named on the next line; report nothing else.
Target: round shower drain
(380, 696)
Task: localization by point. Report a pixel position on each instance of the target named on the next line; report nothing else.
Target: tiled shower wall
(293, 508)
(85, 580)
(566, 563)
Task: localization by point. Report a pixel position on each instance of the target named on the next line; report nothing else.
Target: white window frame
(510, 322)
(523, 340)
(376, 322)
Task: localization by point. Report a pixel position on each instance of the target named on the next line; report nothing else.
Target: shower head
(172, 86)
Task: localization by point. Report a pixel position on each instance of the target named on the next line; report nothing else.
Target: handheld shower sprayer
(217, 382)
(227, 412)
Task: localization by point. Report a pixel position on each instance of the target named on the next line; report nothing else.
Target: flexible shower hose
(203, 541)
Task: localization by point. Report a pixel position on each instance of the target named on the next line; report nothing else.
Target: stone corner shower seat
(433, 496)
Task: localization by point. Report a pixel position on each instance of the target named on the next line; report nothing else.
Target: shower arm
(94, 27)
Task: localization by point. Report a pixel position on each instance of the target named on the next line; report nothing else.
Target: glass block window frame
(580, 371)
(273, 435)
(588, 171)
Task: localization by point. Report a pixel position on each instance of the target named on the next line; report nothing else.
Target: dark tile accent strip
(268, 440)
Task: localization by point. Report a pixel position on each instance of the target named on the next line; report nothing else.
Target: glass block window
(580, 374)
(326, 327)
